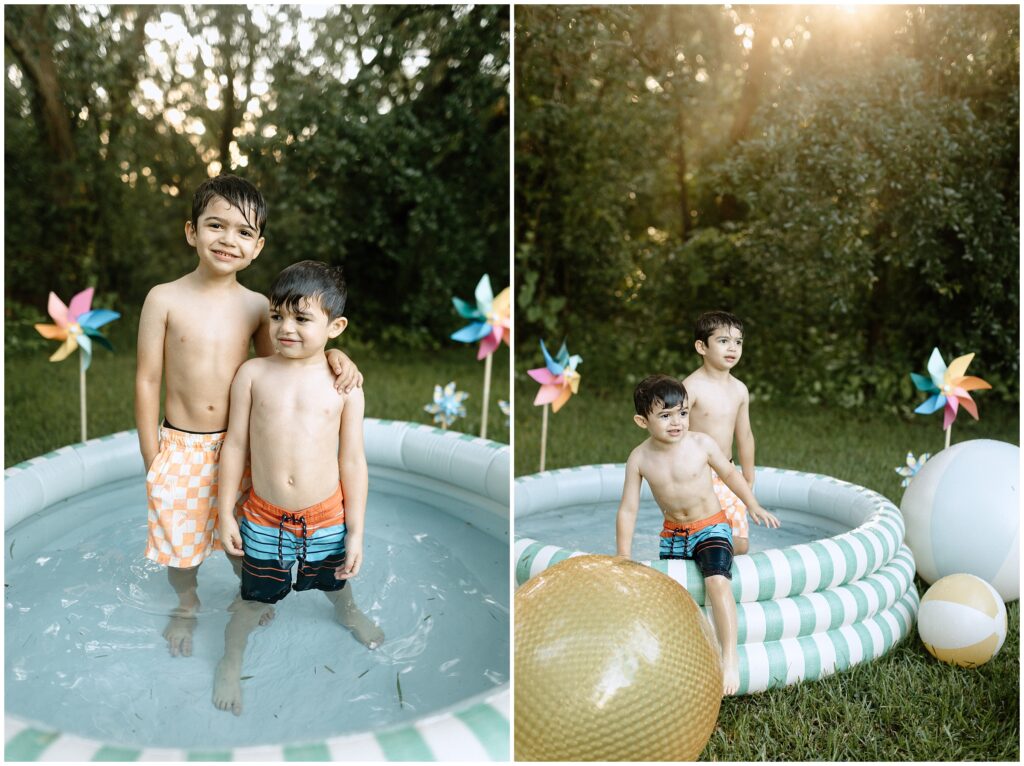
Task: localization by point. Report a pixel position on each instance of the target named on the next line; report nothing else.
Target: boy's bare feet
(730, 673)
(180, 628)
(349, 615)
(227, 687)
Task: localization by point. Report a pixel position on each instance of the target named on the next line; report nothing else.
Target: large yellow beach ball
(613, 662)
(962, 620)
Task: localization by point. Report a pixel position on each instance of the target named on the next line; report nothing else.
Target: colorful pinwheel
(948, 387)
(77, 326)
(559, 379)
(490, 318)
(447, 406)
(909, 471)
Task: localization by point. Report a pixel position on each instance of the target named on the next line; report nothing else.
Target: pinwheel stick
(81, 390)
(543, 435)
(487, 395)
(949, 433)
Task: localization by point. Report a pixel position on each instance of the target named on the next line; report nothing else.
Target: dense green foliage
(847, 182)
(379, 136)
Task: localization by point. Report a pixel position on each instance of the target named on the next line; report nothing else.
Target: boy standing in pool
(720, 408)
(194, 333)
(309, 474)
(677, 464)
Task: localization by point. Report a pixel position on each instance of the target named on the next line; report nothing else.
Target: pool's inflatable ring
(804, 611)
(439, 463)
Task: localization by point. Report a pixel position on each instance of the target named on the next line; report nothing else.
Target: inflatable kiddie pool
(842, 595)
(88, 676)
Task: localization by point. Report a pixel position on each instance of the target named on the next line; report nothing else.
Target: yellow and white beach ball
(962, 620)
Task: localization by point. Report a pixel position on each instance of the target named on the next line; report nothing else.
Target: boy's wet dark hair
(710, 321)
(238, 192)
(658, 388)
(310, 280)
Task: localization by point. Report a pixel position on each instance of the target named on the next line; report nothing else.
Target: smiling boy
(194, 334)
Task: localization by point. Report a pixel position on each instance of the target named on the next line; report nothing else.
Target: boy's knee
(740, 545)
(717, 584)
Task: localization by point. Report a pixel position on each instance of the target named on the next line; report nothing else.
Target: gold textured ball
(614, 662)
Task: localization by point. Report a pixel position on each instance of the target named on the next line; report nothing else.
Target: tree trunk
(757, 75)
(33, 49)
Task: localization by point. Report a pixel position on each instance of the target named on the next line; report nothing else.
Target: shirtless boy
(677, 464)
(720, 408)
(194, 333)
(309, 475)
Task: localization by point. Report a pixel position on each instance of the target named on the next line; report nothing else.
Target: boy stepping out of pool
(194, 333)
(720, 408)
(309, 475)
(677, 464)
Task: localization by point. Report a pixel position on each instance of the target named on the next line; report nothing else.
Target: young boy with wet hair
(194, 334)
(720, 408)
(309, 474)
(677, 464)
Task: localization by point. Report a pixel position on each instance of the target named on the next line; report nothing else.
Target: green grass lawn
(41, 398)
(904, 706)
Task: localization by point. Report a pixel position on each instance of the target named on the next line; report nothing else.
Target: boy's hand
(230, 536)
(353, 560)
(347, 375)
(761, 516)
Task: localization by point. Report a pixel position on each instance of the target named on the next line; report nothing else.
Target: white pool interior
(84, 612)
(590, 527)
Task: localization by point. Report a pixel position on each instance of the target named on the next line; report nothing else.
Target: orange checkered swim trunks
(735, 509)
(182, 491)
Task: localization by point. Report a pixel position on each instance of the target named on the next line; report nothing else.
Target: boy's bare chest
(311, 402)
(206, 330)
(680, 467)
(717, 403)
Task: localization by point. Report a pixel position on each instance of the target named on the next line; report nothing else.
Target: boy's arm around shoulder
(232, 456)
(346, 374)
(149, 370)
(734, 480)
(261, 342)
(625, 518)
(745, 436)
(354, 481)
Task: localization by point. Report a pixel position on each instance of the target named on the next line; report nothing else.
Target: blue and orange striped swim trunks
(274, 539)
(707, 542)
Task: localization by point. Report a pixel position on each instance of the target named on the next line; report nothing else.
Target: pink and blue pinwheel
(948, 387)
(77, 326)
(558, 378)
(490, 318)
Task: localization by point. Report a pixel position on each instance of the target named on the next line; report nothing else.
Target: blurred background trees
(378, 134)
(844, 179)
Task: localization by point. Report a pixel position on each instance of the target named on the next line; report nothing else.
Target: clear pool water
(591, 528)
(84, 613)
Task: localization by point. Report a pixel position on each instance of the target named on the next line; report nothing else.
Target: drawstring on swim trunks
(685, 534)
(292, 519)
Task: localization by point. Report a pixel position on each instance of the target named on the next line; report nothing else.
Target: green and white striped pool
(803, 611)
